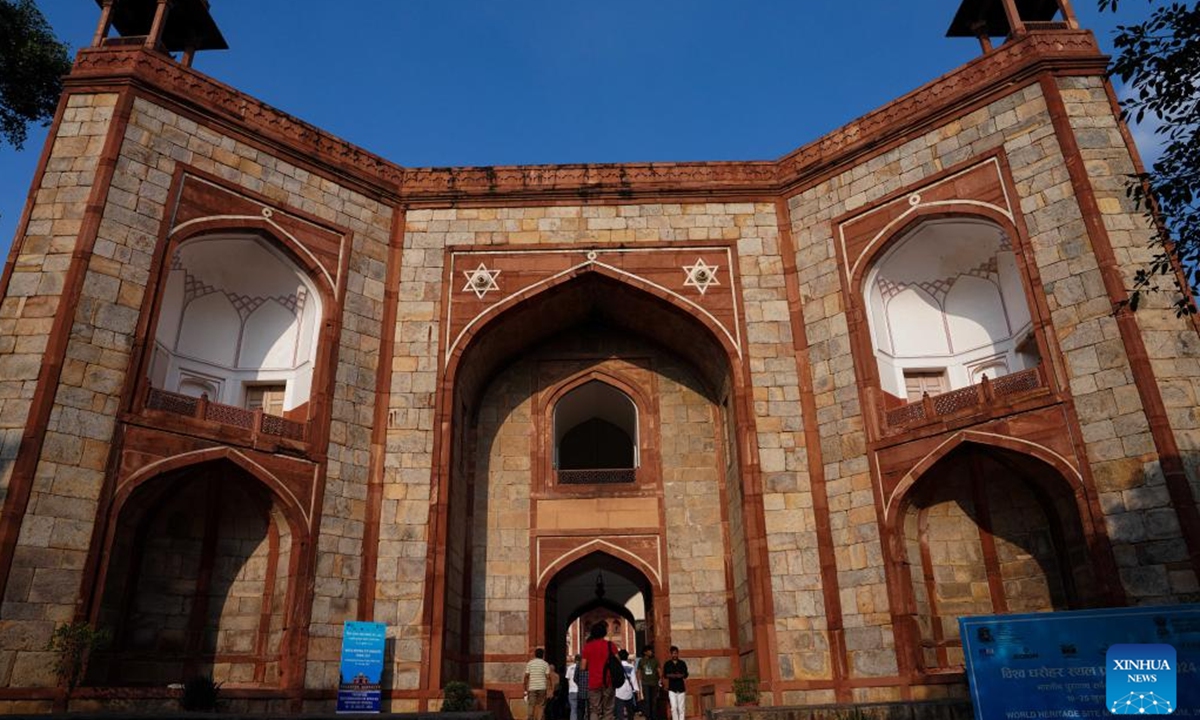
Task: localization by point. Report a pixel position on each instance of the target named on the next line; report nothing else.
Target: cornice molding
(1057, 51)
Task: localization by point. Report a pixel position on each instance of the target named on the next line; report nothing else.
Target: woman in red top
(595, 656)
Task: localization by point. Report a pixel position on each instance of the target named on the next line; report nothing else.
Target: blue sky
(492, 82)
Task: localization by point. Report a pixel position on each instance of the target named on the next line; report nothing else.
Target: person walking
(599, 684)
(581, 681)
(648, 682)
(675, 671)
(537, 676)
(624, 695)
(573, 688)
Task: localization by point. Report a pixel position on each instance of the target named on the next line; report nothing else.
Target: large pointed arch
(460, 346)
(894, 502)
(296, 512)
(597, 296)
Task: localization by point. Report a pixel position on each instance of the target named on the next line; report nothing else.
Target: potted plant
(745, 691)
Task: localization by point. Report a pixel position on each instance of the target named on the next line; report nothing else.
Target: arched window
(946, 306)
(239, 323)
(595, 435)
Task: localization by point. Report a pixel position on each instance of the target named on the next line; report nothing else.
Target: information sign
(1054, 665)
(360, 688)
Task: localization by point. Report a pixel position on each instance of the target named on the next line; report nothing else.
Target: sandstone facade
(786, 516)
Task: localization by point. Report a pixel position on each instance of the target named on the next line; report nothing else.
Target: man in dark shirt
(675, 671)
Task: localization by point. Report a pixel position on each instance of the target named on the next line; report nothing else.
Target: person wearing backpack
(601, 680)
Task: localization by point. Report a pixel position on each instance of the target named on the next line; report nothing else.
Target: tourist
(648, 681)
(624, 695)
(537, 677)
(581, 682)
(573, 688)
(599, 685)
(675, 671)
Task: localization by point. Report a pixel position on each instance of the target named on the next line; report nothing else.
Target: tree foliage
(32, 63)
(1158, 59)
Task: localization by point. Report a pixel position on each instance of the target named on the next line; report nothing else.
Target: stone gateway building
(795, 416)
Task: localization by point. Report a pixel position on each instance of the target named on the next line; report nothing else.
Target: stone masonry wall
(26, 318)
(71, 470)
(1097, 368)
(1171, 343)
(795, 571)
(44, 253)
(696, 550)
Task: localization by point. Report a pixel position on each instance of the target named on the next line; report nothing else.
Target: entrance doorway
(598, 587)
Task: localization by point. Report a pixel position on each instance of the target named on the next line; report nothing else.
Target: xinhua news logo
(1140, 679)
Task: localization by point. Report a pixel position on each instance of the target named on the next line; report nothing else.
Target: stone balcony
(894, 416)
(253, 423)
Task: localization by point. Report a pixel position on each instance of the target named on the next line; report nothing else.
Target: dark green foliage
(72, 645)
(457, 697)
(745, 690)
(32, 63)
(200, 694)
(1159, 60)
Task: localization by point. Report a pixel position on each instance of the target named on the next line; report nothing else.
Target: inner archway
(596, 587)
(987, 530)
(198, 582)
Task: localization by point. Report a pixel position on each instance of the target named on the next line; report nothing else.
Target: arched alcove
(238, 321)
(198, 577)
(946, 306)
(595, 429)
(986, 530)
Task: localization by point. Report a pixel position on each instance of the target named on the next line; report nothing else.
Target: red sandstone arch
(291, 655)
(959, 209)
(294, 510)
(489, 317)
(695, 325)
(600, 547)
(647, 418)
(894, 504)
(917, 216)
(262, 228)
(604, 553)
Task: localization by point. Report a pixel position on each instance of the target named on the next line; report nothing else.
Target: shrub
(745, 690)
(457, 697)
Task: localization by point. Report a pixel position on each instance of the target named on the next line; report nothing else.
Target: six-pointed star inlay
(481, 281)
(700, 275)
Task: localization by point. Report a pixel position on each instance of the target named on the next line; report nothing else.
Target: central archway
(597, 586)
(676, 387)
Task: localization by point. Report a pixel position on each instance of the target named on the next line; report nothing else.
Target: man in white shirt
(625, 694)
(573, 688)
(537, 677)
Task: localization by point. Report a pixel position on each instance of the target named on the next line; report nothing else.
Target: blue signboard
(1043, 666)
(360, 687)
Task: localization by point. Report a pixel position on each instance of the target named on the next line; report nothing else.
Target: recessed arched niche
(946, 306)
(596, 430)
(238, 323)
